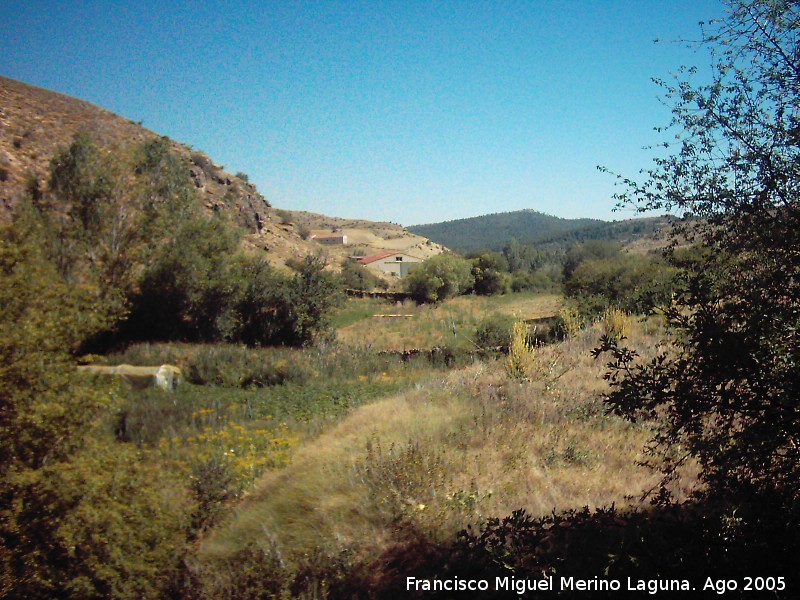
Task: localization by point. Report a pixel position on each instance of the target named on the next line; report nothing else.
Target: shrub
(532, 281)
(521, 361)
(615, 324)
(598, 275)
(357, 277)
(438, 278)
(284, 216)
(494, 331)
(304, 231)
(202, 161)
(569, 321)
(490, 274)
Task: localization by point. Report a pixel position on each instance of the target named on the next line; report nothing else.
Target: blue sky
(412, 112)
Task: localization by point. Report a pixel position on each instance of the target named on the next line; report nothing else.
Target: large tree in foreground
(728, 394)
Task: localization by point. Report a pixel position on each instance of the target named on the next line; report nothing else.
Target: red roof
(365, 260)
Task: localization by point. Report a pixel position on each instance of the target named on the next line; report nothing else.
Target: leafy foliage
(79, 517)
(494, 331)
(357, 277)
(489, 272)
(439, 277)
(728, 390)
(187, 291)
(599, 275)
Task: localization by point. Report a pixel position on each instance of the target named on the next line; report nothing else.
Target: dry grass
(451, 323)
(448, 453)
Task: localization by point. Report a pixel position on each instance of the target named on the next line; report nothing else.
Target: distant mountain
(647, 233)
(492, 232)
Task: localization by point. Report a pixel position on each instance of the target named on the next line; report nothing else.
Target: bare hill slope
(35, 123)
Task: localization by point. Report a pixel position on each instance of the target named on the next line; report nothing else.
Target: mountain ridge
(37, 123)
(492, 231)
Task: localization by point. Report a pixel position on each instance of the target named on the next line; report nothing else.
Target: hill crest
(35, 123)
(492, 231)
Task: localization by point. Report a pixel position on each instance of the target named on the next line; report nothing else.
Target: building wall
(332, 240)
(398, 268)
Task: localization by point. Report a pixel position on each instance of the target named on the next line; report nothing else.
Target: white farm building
(391, 263)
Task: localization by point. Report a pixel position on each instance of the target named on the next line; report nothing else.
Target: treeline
(128, 228)
(492, 231)
(108, 249)
(595, 276)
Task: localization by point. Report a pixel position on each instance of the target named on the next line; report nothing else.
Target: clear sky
(412, 112)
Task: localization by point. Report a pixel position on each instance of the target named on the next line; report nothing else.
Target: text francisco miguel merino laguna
(520, 586)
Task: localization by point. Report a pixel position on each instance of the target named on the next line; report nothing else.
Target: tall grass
(242, 412)
(430, 460)
(452, 323)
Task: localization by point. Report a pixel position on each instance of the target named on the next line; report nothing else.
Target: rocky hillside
(35, 123)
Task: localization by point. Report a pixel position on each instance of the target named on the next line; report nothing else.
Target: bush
(490, 274)
(532, 281)
(357, 277)
(600, 275)
(521, 362)
(188, 291)
(494, 331)
(235, 366)
(438, 278)
(284, 216)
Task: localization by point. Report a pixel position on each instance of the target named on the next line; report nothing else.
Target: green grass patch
(358, 309)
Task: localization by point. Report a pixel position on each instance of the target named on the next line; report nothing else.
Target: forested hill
(647, 230)
(492, 232)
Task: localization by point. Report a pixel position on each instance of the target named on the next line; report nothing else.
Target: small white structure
(165, 377)
(391, 263)
(331, 240)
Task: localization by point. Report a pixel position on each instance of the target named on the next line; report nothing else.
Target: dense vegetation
(129, 227)
(113, 248)
(111, 492)
(490, 232)
(729, 388)
(599, 275)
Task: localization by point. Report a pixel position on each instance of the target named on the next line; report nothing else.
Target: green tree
(189, 290)
(165, 193)
(522, 257)
(274, 309)
(490, 274)
(314, 291)
(106, 215)
(80, 517)
(439, 277)
(357, 277)
(727, 393)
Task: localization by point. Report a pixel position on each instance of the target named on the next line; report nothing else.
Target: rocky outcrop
(35, 123)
